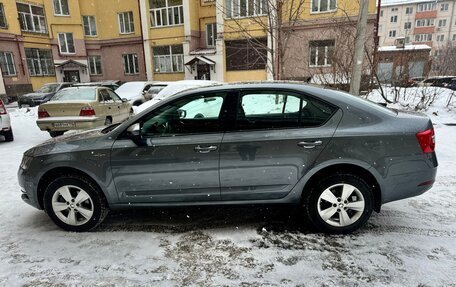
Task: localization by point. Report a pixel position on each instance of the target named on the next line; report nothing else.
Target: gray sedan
(337, 156)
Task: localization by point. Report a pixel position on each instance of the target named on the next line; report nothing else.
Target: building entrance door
(71, 76)
(203, 72)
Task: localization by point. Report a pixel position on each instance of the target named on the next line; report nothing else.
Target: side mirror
(134, 133)
(124, 100)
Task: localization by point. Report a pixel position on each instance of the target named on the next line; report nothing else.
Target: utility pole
(357, 68)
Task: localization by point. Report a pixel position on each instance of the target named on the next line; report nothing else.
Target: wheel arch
(352, 169)
(54, 173)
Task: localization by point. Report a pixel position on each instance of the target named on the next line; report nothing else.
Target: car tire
(340, 203)
(54, 134)
(74, 203)
(9, 137)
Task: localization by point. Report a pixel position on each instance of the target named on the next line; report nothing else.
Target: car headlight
(26, 161)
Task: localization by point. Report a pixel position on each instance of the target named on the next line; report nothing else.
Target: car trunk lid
(65, 108)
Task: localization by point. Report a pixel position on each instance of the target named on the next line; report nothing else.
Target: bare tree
(273, 19)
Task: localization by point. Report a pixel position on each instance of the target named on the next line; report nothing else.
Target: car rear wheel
(54, 134)
(9, 137)
(340, 203)
(74, 203)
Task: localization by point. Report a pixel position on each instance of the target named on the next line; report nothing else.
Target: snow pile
(438, 103)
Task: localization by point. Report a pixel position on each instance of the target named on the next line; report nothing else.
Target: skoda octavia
(336, 155)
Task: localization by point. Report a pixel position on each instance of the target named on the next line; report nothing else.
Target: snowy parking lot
(410, 243)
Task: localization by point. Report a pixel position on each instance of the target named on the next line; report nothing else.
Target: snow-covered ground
(410, 243)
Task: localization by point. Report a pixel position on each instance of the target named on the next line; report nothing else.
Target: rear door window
(278, 110)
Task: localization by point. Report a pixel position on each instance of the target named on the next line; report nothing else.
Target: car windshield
(80, 94)
(49, 88)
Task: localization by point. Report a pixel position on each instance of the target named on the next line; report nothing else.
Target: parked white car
(134, 91)
(174, 88)
(5, 123)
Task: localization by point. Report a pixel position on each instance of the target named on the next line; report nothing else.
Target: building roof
(386, 3)
(406, 48)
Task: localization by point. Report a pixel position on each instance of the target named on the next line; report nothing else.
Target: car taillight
(426, 140)
(87, 112)
(42, 113)
(2, 108)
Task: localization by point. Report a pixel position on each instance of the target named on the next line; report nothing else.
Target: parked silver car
(5, 123)
(336, 155)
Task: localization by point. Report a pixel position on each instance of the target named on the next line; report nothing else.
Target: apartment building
(44, 41)
(420, 22)
(166, 40)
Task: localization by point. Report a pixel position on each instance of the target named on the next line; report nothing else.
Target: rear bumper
(5, 123)
(69, 123)
(411, 183)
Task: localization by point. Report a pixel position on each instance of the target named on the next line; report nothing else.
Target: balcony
(426, 14)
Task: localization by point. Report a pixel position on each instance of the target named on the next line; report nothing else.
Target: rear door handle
(206, 149)
(310, 144)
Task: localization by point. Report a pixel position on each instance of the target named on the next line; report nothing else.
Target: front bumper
(69, 123)
(28, 188)
(31, 101)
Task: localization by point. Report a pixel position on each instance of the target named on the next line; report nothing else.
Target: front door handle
(206, 149)
(309, 144)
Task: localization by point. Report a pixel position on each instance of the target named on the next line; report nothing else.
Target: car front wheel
(74, 203)
(340, 203)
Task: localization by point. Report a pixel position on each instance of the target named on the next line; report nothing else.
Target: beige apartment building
(418, 21)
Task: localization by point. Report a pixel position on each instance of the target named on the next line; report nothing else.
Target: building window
(95, 65)
(211, 34)
(39, 62)
(31, 18)
(166, 13)
(424, 22)
(454, 37)
(381, 13)
(126, 25)
(61, 8)
(7, 64)
(423, 37)
(392, 33)
(440, 38)
(321, 53)
(442, 23)
(2, 17)
(90, 29)
(131, 66)
(394, 9)
(426, 7)
(409, 10)
(407, 25)
(245, 8)
(168, 59)
(393, 19)
(66, 43)
(324, 5)
(246, 54)
(444, 7)
(407, 39)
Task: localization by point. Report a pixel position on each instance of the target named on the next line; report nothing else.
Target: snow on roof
(407, 47)
(402, 2)
(203, 51)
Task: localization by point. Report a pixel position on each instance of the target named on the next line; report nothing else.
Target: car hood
(36, 95)
(67, 143)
